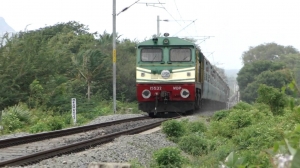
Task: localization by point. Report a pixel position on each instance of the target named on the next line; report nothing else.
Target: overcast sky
(231, 25)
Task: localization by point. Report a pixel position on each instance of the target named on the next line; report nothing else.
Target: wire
(178, 10)
(169, 13)
(185, 27)
(128, 7)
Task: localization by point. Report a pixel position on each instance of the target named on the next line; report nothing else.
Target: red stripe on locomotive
(173, 90)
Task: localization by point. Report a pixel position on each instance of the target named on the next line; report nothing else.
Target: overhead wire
(186, 27)
(168, 12)
(178, 10)
(128, 7)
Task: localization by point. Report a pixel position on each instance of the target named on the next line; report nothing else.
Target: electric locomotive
(173, 75)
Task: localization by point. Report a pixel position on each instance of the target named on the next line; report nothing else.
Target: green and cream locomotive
(173, 75)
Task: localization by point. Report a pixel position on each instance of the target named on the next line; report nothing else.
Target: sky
(224, 28)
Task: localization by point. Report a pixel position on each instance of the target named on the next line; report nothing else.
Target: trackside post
(73, 103)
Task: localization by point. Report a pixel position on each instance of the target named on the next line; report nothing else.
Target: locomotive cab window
(151, 55)
(180, 55)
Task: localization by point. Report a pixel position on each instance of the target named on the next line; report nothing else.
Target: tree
(273, 98)
(91, 65)
(249, 72)
(126, 69)
(276, 79)
(268, 51)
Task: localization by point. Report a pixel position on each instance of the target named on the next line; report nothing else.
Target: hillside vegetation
(257, 131)
(41, 70)
(244, 136)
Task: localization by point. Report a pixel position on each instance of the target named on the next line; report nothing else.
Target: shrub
(255, 158)
(239, 119)
(80, 119)
(220, 128)
(168, 157)
(15, 117)
(11, 122)
(193, 144)
(273, 98)
(213, 158)
(55, 123)
(39, 127)
(173, 128)
(257, 137)
(196, 127)
(242, 106)
(220, 115)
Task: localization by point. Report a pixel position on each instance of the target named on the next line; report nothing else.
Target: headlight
(165, 74)
(184, 93)
(146, 94)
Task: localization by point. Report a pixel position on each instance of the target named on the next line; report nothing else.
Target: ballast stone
(108, 165)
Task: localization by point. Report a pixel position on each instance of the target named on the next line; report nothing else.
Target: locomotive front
(165, 75)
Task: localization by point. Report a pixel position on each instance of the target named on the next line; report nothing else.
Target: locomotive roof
(172, 41)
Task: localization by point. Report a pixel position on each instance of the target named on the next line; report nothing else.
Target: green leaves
(273, 98)
(233, 161)
(173, 128)
(169, 157)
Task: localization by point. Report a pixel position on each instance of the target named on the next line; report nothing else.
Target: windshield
(151, 54)
(180, 54)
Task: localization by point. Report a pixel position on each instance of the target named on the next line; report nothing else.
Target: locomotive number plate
(155, 87)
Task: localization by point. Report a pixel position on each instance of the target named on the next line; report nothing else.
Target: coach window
(180, 55)
(151, 55)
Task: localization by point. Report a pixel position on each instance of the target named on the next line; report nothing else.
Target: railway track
(25, 152)
(53, 134)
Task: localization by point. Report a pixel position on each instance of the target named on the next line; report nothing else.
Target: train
(174, 76)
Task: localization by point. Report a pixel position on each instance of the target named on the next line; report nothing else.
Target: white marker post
(73, 102)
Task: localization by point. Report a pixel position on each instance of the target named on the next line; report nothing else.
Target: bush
(80, 119)
(220, 128)
(15, 117)
(11, 122)
(39, 127)
(239, 119)
(55, 123)
(257, 137)
(220, 115)
(48, 124)
(193, 144)
(242, 106)
(273, 98)
(196, 127)
(168, 157)
(173, 128)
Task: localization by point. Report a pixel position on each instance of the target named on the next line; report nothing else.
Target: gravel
(139, 147)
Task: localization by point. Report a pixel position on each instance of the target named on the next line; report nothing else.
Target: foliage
(15, 117)
(270, 64)
(49, 66)
(261, 72)
(273, 98)
(173, 128)
(135, 164)
(242, 106)
(40, 126)
(168, 157)
(194, 144)
(268, 51)
(48, 124)
(196, 127)
(257, 137)
(233, 160)
(220, 115)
